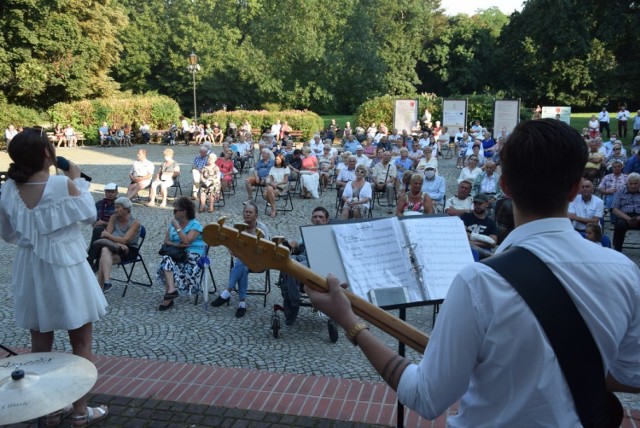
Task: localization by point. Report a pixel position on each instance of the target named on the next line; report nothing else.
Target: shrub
(86, 116)
(380, 109)
(300, 120)
(18, 116)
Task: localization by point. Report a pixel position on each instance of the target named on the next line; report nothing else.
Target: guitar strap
(568, 334)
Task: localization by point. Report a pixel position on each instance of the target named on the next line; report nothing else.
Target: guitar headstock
(257, 253)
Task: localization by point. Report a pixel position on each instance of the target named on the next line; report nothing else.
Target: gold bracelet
(353, 332)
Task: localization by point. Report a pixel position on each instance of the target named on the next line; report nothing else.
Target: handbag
(568, 334)
(178, 255)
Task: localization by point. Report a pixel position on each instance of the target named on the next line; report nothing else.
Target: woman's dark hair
(27, 150)
(543, 187)
(283, 161)
(187, 205)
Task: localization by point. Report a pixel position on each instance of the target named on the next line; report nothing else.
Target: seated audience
(434, 185)
(471, 171)
(277, 182)
(595, 162)
(104, 209)
(633, 164)
(199, 163)
(259, 173)
(427, 160)
(403, 163)
(209, 184)
(145, 132)
(11, 132)
(239, 274)
(325, 162)
(414, 201)
(185, 233)
(585, 208)
(356, 196)
(384, 177)
(462, 202)
(626, 208)
(225, 165)
(70, 136)
(481, 230)
(168, 172)
(593, 233)
(309, 176)
(610, 184)
(118, 242)
(488, 182)
(141, 174)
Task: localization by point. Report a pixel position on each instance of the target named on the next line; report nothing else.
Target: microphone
(63, 164)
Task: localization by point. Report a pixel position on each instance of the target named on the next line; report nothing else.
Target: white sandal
(93, 415)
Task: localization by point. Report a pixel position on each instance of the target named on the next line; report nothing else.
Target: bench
(295, 135)
(79, 136)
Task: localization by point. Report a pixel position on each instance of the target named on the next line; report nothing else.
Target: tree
(549, 54)
(58, 50)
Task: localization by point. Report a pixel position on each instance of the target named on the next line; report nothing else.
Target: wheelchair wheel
(275, 325)
(333, 331)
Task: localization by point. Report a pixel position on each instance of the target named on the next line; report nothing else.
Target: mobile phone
(389, 296)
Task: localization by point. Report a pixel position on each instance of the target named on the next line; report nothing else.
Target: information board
(405, 115)
(552, 112)
(506, 114)
(454, 115)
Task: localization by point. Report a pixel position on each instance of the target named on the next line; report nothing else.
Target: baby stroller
(169, 137)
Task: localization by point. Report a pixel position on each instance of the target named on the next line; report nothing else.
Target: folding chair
(203, 272)
(288, 203)
(133, 262)
(264, 291)
(3, 179)
(176, 187)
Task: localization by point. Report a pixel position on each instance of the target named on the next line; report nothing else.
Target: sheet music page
(442, 249)
(374, 256)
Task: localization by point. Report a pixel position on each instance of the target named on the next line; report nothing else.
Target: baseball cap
(481, 197)
(111, 186)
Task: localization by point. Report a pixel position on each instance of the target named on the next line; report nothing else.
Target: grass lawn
(341, 119)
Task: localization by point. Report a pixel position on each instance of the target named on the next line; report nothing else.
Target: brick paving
(197, 338)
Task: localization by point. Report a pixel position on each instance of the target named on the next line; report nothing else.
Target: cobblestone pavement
(133, 327)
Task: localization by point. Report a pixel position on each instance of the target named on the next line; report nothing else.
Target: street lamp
(194, 67)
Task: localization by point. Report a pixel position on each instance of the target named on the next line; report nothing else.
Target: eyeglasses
(361, 171)
(617, 149)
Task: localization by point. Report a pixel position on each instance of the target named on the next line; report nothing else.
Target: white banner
(405, 115)
(562, 113)
(506, 114)
(454, 115)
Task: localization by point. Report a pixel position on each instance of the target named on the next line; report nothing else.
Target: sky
(453, 7)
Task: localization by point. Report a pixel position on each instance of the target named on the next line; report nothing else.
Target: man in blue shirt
(633, 164)
(260, 173)
(351, 144)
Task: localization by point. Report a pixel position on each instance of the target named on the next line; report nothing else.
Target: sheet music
(442, 248)
(374, 256)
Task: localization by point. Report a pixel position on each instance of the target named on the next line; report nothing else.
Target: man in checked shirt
(610, 185)
(626, 206)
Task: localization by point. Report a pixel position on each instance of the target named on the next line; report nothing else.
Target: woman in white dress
(53, 285)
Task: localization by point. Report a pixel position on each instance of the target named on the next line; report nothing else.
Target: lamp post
(194, 67)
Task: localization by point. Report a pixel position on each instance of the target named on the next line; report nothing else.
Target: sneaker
(106, 287)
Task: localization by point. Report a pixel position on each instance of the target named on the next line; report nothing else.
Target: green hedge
(300, 120)
(86, 116)
(380, 109)
(18, 116)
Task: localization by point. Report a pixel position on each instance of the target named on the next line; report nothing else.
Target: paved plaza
(198, 334)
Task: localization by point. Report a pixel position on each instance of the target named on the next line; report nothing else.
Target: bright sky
(454, 7)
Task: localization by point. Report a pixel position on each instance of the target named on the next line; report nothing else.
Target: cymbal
(50, 381)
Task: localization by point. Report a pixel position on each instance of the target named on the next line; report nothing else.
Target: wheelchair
(305, 302)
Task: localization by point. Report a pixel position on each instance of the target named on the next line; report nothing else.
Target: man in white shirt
(488, 182)
(316, 144)
(141, 174)
(361, 158)
(623, 116)
(585, 208)
(603, 119)
(462, 202)
(243, 151)
(487, 351)
(9, 133)
(275, 129)
(384, 178)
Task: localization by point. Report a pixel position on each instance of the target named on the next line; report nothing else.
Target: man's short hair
(543, 188)
(321, 209)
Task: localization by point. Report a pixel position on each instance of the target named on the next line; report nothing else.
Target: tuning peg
(240, 227)
(221, 221)
(259, 234)
(278, 239)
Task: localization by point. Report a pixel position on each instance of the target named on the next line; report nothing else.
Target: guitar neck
(382, 319)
